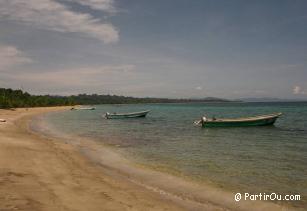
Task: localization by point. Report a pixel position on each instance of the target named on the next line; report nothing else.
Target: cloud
(297, 90)
(103, 5)
(11, 56)
(87, 76)
(106, 79)
(52, 15)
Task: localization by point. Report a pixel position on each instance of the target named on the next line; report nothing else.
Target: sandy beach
(39, 173)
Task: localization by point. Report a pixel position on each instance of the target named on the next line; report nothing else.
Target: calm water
(256, 159)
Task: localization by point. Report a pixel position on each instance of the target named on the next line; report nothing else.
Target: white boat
(126, 115)
(83, 108)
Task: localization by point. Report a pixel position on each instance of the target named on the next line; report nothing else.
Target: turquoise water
(254, 159)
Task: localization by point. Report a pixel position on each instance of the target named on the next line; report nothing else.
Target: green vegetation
(17, 98)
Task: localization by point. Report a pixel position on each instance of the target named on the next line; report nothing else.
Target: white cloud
(11, 56)
(52, 15)
(298, 90)
(86, 76)
(103, 5)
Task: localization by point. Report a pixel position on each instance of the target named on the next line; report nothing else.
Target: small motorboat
(2, 120)
(83, 108)
(126, 115)
(261, 120)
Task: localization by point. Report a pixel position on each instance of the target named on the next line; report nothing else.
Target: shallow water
(254, 159)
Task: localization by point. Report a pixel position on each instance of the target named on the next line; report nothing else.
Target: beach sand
(39, 173)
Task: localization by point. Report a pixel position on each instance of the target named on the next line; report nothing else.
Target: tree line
(10, 98)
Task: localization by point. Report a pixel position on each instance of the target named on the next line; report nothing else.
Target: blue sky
(160, 48)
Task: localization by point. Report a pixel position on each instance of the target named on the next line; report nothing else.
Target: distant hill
(115, 99)
(267, 99)
(10, 98)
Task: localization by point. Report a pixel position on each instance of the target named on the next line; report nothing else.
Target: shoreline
(91, 177)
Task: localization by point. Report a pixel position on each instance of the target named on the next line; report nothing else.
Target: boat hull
(91, 108)
(128, 115)
(270, 120)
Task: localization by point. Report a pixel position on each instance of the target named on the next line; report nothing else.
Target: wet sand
(41, 173)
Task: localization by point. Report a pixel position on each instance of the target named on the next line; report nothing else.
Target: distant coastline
(10, 98)
(269, 100)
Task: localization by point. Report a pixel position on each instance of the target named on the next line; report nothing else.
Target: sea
(265, 159)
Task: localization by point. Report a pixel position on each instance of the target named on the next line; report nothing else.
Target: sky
(161, 48)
